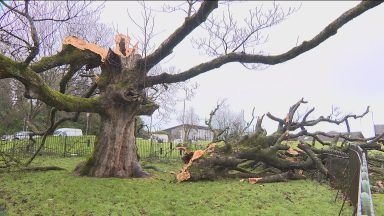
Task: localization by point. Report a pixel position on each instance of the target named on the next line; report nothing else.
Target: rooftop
(188, 125)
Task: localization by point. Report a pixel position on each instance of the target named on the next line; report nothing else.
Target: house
(379, 129)
(355, 135)
(194, 132)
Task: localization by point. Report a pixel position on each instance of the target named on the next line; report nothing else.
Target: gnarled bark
(122, 99)
(115, 152)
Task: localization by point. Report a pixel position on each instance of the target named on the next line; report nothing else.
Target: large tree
(124, 79)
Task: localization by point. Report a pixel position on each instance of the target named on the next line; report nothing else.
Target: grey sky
(345, 70)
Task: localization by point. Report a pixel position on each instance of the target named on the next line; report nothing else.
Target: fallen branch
(280, 162)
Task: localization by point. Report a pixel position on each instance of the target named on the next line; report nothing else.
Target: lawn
(378, 203)
(62, 193)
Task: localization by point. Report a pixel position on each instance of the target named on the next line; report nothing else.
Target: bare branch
(36, 42)
(183, 31)
(326, 33)
(314, 158)
(64, 81)
(216, 132)
(330, 120)
(146, 28)
(248, 124)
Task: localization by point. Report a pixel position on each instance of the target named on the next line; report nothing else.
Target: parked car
(177, 141)
(68, 132)
(22, 135)
(7, 138)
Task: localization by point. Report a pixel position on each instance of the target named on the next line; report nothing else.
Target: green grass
(62, 193)
(378, 203)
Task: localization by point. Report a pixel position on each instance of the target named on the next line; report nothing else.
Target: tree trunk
(115, 153)
(122, 98)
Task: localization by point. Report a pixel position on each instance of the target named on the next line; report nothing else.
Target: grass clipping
(184, 174)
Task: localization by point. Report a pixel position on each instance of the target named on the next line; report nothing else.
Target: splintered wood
(84, 45)
(184, 173)
(122, 44)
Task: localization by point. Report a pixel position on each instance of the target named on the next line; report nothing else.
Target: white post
(86, 128)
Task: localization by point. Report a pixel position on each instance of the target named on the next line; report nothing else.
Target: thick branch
(279, 120)
(38, 89)
(67, 77)
(68, 55)
(148, 107)
(315, 159)
(183, 31)
(326, 33)
(258, 128)
(287, 124)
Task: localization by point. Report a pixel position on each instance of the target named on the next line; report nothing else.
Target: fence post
(170, 150)
(13, 146)
(65, 146)
(151, 153)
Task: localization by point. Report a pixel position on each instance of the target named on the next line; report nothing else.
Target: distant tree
(124, 74)
(141, 129)
(9, 118)
(227, 125)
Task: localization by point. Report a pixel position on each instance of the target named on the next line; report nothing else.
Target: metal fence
(360, 190)
(349, 173)
(79, 146)
(55, 146)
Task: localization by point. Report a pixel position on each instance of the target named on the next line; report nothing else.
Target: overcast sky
(344, 71)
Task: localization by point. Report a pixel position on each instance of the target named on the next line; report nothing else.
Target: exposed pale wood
(84, 45)
(122, 43)
(122, 46)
